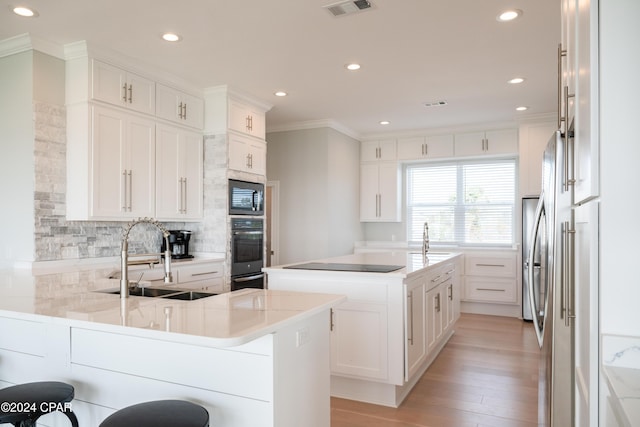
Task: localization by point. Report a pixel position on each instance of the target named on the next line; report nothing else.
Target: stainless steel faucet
(425, 239)
(124, 255)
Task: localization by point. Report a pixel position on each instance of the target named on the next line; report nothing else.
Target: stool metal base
(25, 403)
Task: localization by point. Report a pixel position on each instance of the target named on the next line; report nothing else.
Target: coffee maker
(178, 244)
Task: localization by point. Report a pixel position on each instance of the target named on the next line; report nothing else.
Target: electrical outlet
(302, 336)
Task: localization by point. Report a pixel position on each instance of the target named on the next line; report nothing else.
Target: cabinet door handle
(180, 116)
(204, 273)
(568, 175)
(331, 323)
(490, 289)
(130, 189)
(450, 291)
(184, 113)
(490, 265)
(124, 193)
(561, 53)
(124, 92)
(438, 303)
(130, 93)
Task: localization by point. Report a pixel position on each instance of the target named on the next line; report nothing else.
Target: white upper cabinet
(122, 88)
(371, 151)
(179, 107)
(247, 154)
(380, 192)
(246, 118)
(486, 143)
(586, 126)
(425, 147)
(121, 172)
(179, 169)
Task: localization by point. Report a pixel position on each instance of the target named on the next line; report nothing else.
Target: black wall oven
(247, 253)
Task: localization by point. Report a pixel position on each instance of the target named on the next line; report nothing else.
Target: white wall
(16, 161)
(319, 192)
(619, 167)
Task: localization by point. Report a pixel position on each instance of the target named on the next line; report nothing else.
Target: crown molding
(315, 124)
(26, 42)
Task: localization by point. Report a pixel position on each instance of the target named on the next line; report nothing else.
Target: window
(464, 202)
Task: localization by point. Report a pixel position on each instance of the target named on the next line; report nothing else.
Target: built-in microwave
(246, 198)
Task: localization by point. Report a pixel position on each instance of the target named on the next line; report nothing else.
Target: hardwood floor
(487, 375)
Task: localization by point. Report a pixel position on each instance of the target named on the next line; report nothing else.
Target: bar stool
(22, 404)
(159, 413)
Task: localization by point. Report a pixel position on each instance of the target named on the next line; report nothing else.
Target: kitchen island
(250, 357)
(392, 325)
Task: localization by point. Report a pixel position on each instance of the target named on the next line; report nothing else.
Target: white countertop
(411, 262)
(624, 385)
(223, 320)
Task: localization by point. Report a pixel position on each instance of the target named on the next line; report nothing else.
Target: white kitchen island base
(391, 326)
(379, 393)
(251, 357)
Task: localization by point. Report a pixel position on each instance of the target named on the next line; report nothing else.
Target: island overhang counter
(391, 326)
(250, 357)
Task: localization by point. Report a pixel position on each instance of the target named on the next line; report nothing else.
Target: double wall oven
(247, 234)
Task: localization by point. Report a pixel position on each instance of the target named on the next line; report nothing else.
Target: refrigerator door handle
(535, 310)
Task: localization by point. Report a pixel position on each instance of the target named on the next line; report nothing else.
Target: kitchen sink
(180, 294)
(190, 295)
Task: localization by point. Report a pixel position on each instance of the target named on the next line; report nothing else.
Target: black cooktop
(332, 266)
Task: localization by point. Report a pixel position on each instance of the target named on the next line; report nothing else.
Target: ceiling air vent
(435, 104)
(347, 7)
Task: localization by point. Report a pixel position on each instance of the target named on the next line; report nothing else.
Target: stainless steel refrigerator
(549, 293)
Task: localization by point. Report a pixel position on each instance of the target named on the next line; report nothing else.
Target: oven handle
(237, 233)
(246, 279)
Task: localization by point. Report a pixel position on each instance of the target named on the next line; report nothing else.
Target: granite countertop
(229, 319)
(411, 262)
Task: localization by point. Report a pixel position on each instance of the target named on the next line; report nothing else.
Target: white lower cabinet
(207, 277)
(359, 340)
(415, 326)
(491, 278)
(179, 174)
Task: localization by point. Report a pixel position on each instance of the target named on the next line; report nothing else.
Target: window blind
(464, 202)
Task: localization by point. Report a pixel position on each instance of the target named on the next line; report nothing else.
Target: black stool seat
(23, 404)
(159, 413)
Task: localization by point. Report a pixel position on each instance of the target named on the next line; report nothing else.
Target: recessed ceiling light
(385, 122)
(171, 37)
(509, 15)
(24, 11)
(523, 108)
(352, 67)
(280, 93)
(516, 80)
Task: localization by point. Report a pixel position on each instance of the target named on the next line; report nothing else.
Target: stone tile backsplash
(59, 239)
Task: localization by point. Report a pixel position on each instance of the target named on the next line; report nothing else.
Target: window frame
(458, 209)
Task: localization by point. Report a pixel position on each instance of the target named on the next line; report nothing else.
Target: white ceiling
(411, 51)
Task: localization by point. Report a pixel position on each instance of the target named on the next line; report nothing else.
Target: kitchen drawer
(200, 272)
(487, 289)
(496, 265)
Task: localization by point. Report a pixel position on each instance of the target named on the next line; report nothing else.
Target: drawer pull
(202, 274)
(490, 265)
(489, 289)
(435, 279)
